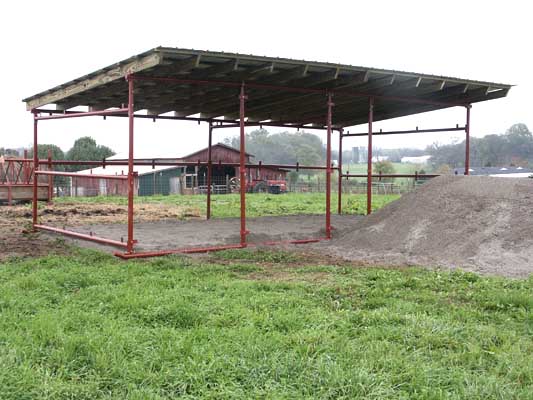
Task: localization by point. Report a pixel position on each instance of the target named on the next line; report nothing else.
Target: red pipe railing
(80, 114)
(419, 176)
(75, 175)
(194, 250)
(83, 236)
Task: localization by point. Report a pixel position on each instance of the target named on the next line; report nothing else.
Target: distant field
(258, 324)
(399, 168)
(257, 204)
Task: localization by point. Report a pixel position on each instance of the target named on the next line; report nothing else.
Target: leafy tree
(385, 167)
(282, 148)
(86, 149)
(42, 152)
(9, 152)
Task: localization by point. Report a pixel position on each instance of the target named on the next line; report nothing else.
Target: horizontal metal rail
(80, 114)
(75, 175)
(83, 236)
(391, 175)
(193, 250)
(276, 124)
(457, 128)
(30, 184)
(220, 123)
(167, 163)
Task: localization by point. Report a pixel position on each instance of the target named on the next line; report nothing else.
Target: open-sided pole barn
(237, 90)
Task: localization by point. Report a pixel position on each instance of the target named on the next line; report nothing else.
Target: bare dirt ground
(157, 227)
(175, 234)
(15, 219)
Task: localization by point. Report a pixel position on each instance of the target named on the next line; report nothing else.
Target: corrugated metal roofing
(106, 88)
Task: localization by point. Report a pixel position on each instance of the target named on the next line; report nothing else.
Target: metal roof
(302, 101)
(496, 171)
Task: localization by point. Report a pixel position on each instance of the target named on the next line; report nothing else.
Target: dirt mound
(481, 224)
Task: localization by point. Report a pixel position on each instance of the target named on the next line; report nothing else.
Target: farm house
(186, 179)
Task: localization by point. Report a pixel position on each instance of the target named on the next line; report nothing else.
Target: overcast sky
(46, 45)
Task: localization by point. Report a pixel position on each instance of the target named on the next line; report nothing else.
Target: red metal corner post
(328, 169)
(50, 178)
(131, 241)
(467, 140)
(369, 167)
(339, 171)
(242, 174)
(35, 168)
(209, 169)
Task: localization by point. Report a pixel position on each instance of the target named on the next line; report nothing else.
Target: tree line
(83, 149)
(282, 148)
(513, 148)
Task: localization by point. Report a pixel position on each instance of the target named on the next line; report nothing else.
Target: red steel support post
(328, 169)
(467, 141)
(242, 174)
(35, 168)
(369, 167)
(339, 171)
(130, 242)
(50, 178)
(25, 168)
(209, 170)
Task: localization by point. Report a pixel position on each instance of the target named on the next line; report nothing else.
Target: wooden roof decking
(303, 101)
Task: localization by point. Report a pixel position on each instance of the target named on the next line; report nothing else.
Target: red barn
(183, 180)
(221, 174)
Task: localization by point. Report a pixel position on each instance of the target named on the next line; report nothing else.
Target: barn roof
(397, 93)
(220, 145)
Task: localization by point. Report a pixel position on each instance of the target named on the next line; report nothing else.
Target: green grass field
(258, 324)
(257, 204)
(399, 168)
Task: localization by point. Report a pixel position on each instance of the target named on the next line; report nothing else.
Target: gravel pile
(480, 224)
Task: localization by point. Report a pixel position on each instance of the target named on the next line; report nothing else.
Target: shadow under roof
(217, 76)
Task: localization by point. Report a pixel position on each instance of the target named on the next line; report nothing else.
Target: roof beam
(313, 79)
(172, 100)
(310, 81)
(288, 102)
(352, 80)
(215, 69)
(180, 66)
(287, 75)
(297, 79)
(93, 81)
